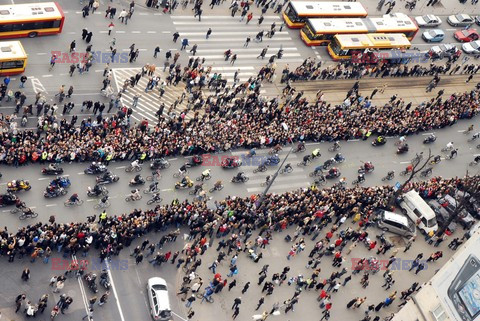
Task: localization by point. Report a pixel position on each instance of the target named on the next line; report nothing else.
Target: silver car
(428, 20)
(460, 20)
(472, 47)
(158, 298)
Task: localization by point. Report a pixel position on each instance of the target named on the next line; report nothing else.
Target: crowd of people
(306, 213)
(229, 122)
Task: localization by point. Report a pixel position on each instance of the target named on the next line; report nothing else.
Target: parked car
(428, 20)
(477, 20)
(395, 223)
(415, 207)
(158, 298)
(466, 35)
(442, 215)
(473, 205)
(464, 217)
(444, 51)
(434, 35)
(460, 20)
(472, 47)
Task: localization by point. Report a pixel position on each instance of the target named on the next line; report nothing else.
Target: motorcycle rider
(217, 185)
(307, 159)
(97, 190)
(403, 148)
(198, 188)
(52, 167)
(318, 169)
(333, 172)
(437, 159)
(240, 176)
(103, 201)
(156, 197)
(300, 146)
(135, 164)
(367, 166)
(95, 167)
(183, 169)
(274, 159)
(449, 146)
(205, 174)
(288, 167)
(52, 190)
(186, 181)
(338, 157)
(251, 152)
(391, 174)
(138, 179)
(431, 137)
(74, 198)
(107, 176)
(153, 187)
(380, 140)
(360, 178)
(476, 160)
(315, 153)
(230, 161)
(453, 153)
(196, 159)
(135, 195)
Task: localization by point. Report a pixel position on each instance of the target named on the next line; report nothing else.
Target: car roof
(431, 16)
(399, 218)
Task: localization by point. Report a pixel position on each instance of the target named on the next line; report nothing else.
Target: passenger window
(424, 221)
(417, 212)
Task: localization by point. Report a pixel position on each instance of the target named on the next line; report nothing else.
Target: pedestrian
(260, 302)
(103, 298)
(73, 45)
(190, 301)
(236, 302)
(110, 28)
(249, 17)
(88, 316)
(236, 312)
(209, 32)
(89, 37)
(26, 274)
(156, 51)
(84, 33)
(232, 284)
(23, 79)
(194, 49)
(175, 36)
(245, 288)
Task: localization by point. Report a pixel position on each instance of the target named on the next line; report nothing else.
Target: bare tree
(418, 167)
(464, 190)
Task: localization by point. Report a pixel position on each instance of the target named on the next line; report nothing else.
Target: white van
(418, 210)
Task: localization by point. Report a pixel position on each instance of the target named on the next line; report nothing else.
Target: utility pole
(262, 197)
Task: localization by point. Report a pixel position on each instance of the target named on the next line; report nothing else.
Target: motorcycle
(299, 149)
(402, 149)
(90, 278)
(104, 280)
(93, 170)
(57, 192)
(63, 182)
(155, 199)
(272, 161)
(332, 175)
(111, 179)
(8, 199)
(159, 163)
(133, 182)
(236, 163)
(339, 158)
(260, 168)
(179, 185)
(194, 161)
(102, 191)
(377, 143)
(48, 171)
(242, 179)
(389, 177)
(362, 170)
(328, 163)
(429, 139)
(21, 185)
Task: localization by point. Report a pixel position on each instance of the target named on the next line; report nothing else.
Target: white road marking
(120, 167)
(151, 32)
(41, 53)
(135, 31)
(46, 76)
(120, 31)
(82, 289)
(114, 291)
(404, 162)
(82, 173)
(50, 205)
(43, 178)
(166, 32)
(427, 134)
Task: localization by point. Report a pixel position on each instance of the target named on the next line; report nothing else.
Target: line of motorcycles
(90, 278)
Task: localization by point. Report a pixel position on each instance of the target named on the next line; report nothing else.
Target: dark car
(442, 215)
(464, 217)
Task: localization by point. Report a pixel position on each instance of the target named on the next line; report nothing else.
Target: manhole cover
(397, 241)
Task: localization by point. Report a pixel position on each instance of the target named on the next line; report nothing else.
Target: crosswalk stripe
(223, 33)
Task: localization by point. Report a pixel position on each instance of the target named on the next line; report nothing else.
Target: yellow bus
(358, 46)
(298, 11)
(30, 19)
(13, 58)
(319, 32)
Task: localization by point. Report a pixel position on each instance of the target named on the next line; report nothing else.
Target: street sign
(397, 186)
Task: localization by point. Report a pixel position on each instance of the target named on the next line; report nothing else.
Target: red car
(467, 35)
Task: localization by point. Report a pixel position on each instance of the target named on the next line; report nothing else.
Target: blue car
(434, 35)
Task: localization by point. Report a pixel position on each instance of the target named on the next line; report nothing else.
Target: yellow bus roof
(319, 8)
(11, 50)
(373, 40)
(386, 23)
(29, 11)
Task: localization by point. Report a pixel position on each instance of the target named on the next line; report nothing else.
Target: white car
(460, 20)
(158, 298)
(428, 20)
(472, 47)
